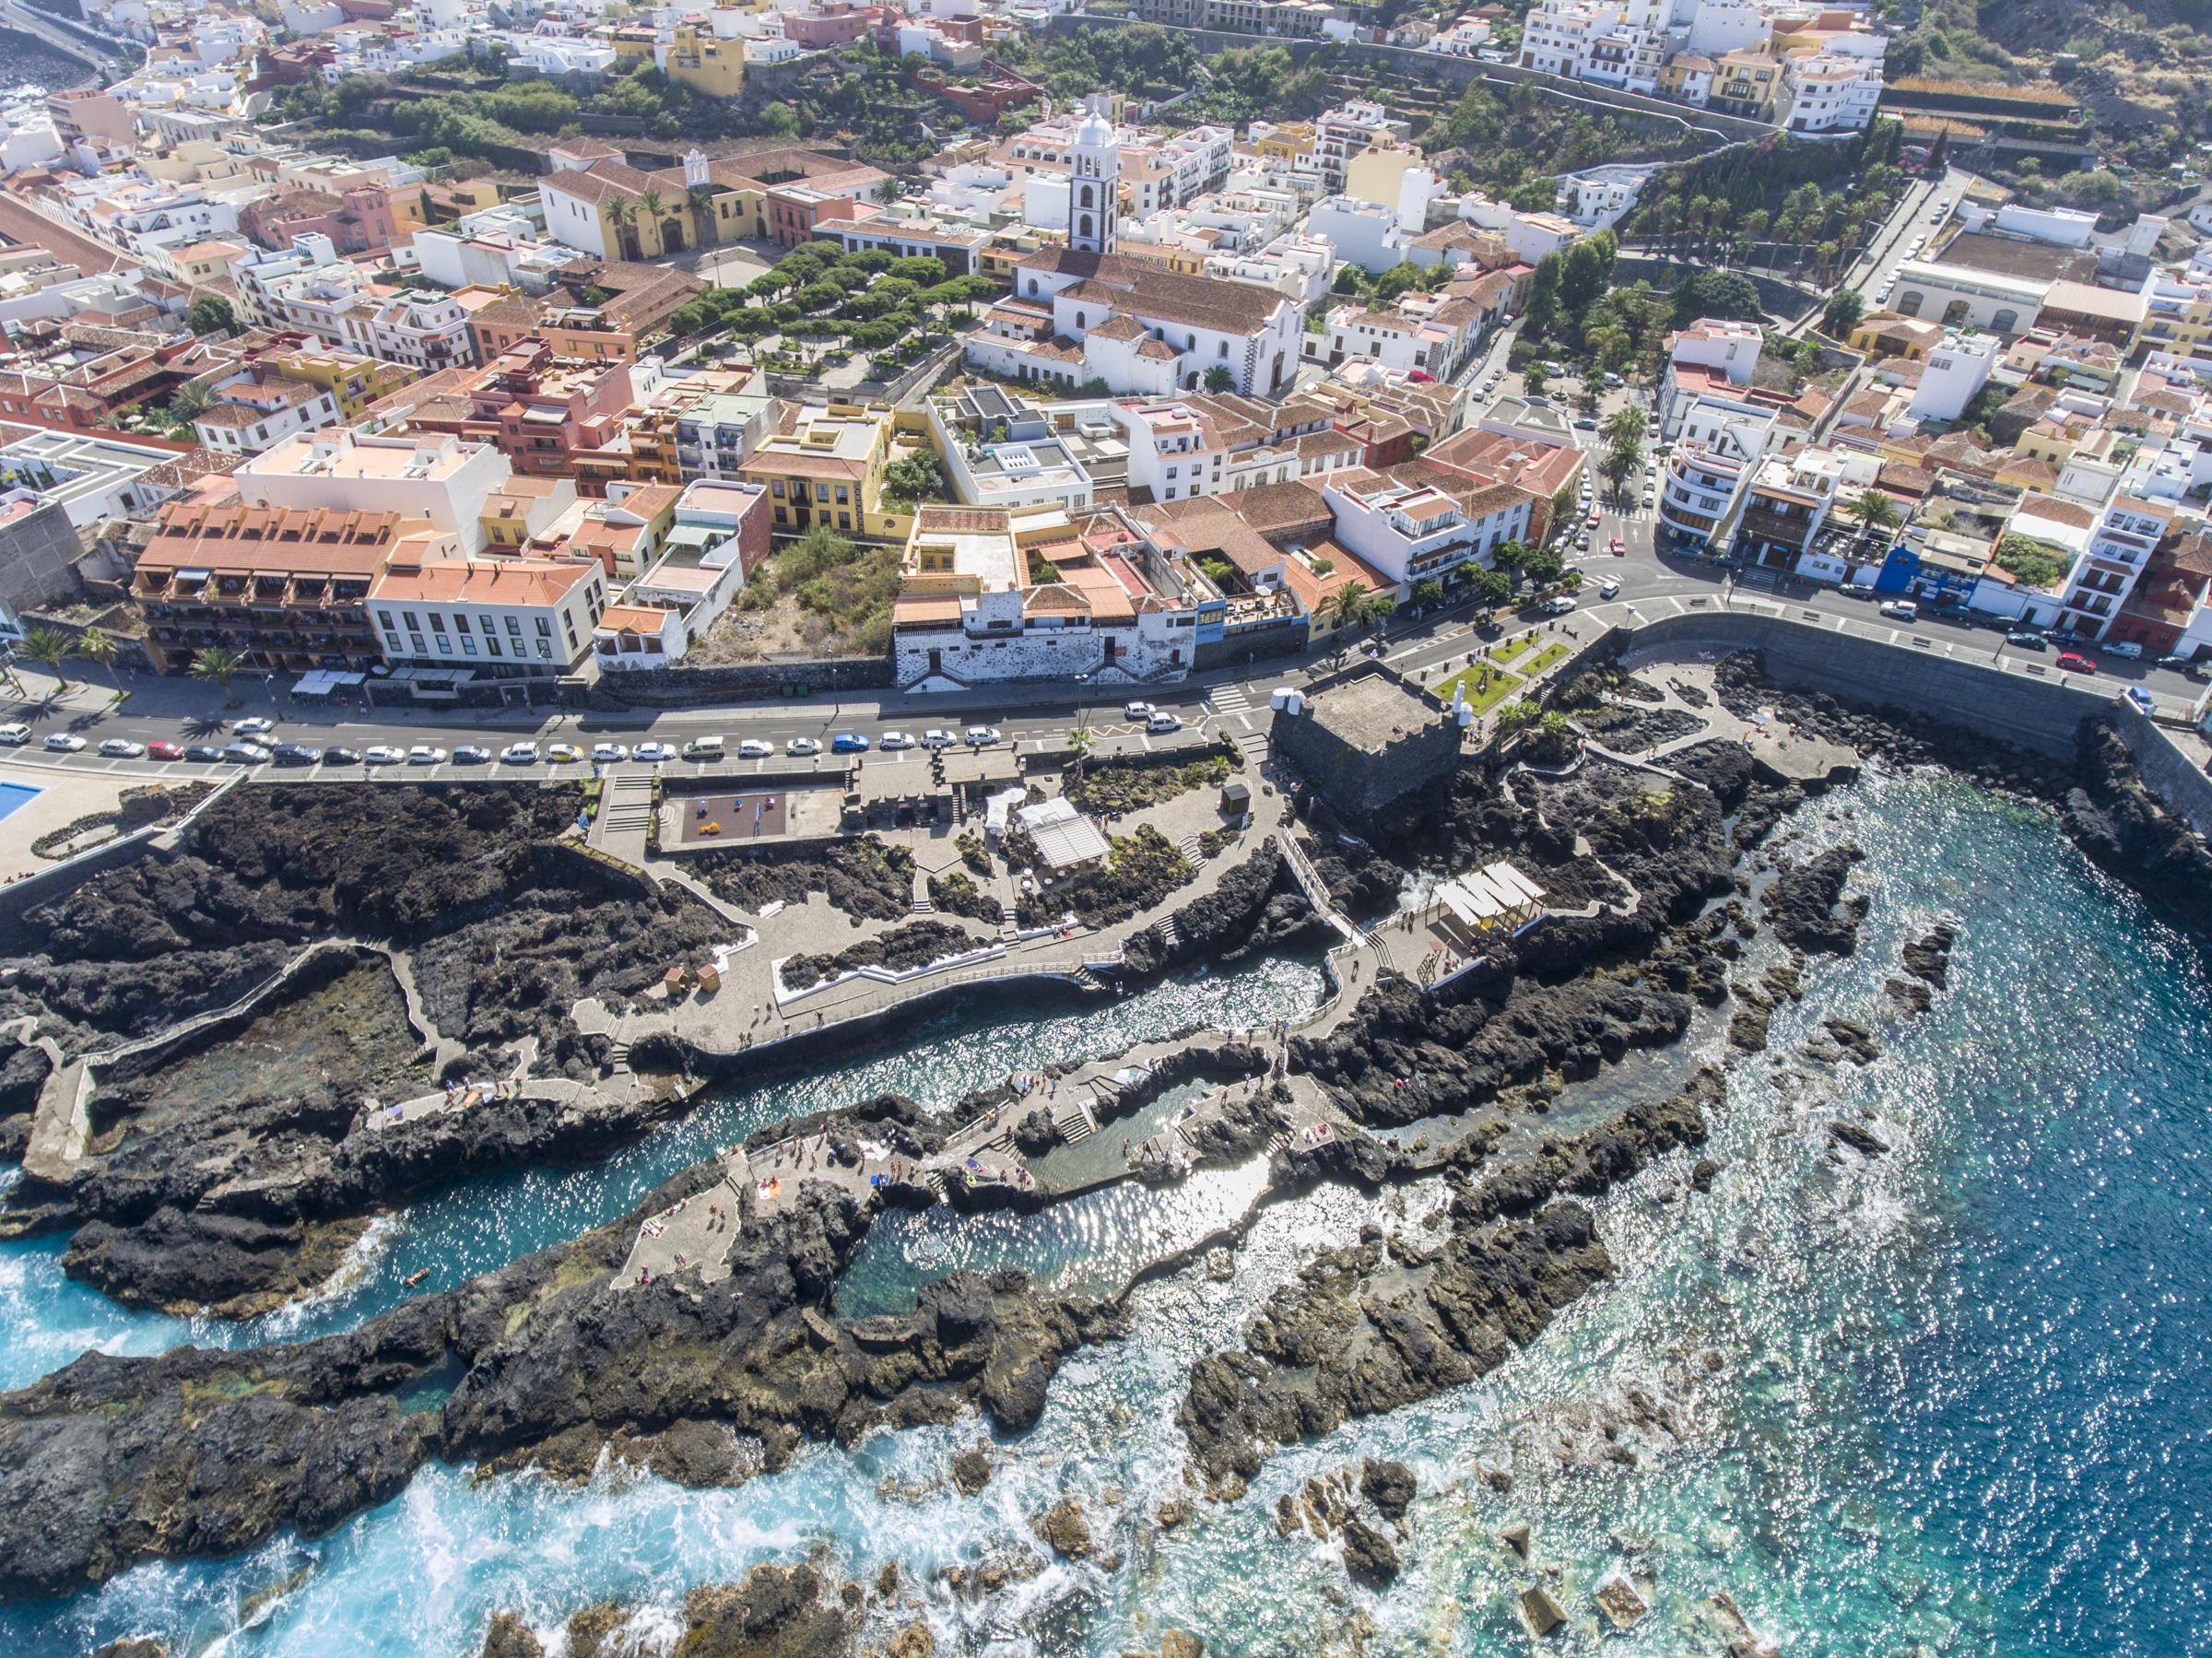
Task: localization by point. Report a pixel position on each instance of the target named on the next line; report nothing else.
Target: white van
(2121, 647)
(15, 737)
(703, 749)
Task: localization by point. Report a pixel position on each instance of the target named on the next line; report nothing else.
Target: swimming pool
(15, 794)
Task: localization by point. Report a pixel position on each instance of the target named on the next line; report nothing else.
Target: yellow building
(201, 262)
(1374, 174)
(705, 64)
(1746, 83)
(1284, 141)
(353, 379)
(824, 465)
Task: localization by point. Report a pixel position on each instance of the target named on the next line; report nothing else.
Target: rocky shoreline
(549, 1361)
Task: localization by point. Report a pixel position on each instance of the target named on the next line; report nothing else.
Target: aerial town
(1091, 826)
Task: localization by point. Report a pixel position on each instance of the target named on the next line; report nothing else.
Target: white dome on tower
(1095, 132)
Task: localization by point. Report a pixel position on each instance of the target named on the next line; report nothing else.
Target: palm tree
(51, 646)
(1346, 608)
(653, 206)
(97, 646)
(623, 212)
(190, 400)
(1624, 425)
(219, 664)
(1874, 510)
(702, 200)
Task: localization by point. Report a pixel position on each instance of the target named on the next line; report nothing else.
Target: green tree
(1493, 586)
(1544, 565)
(220, 664)
(1220, 379)
(780, 120)
(1517, 717)
(94, 645)
(1622, 461)
(1428, 591)
(211, 313)
(188, 403)
(51, 646)
(1874, 510)
(1845, 309)
(1624, 425)
(917, 478)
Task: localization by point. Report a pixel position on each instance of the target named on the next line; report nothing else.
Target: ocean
(1949, 1398)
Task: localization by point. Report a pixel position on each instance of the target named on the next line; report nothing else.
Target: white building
(1957, 293)
(1601, 196)
(1953, 372)
(438, 479)
(1830, 94)
(1414, 529)
(505, 617)
(1363, 233)
(1728, 348)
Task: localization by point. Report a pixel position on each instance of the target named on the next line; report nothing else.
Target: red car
(1620, 547)
(2075, 662)
(165, 751)
(1593, 520)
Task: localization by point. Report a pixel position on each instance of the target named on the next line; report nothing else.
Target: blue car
(847, 742)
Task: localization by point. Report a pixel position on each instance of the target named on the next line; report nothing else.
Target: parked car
(1559, 605)
(425, 754)
(519, 754)
(341, 757)
(756, 748)
(653, 754)
(564, 754)
(936, 736)
(983, 737)
(302, 754)
(203, 753)
(1163, 722)
(122, 749)
(2123, 647)
(246, 754)
(2141, 698)
(801, 748)
(609, 754)
(2025, 640)
(386, 754)
(1585, 424)
(1611, 590)
(1594, 518)
(472, 754)
(1136, 711)
(256, 727)
(895, 739)
(1855, 589)
(1901, 610)
(63, 742)
(703, 749)
(847, 742)
(2074, 662)
(1582, 542)
(15, 737)
(2065, 639)
(165, 751)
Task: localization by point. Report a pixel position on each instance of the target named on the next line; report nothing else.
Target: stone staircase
(628, 805)
(1009, 925)
(1074, 1124)
(920, 904)
(1192, 852)
(1168, 932)
(618, 1054)
(1253, 743)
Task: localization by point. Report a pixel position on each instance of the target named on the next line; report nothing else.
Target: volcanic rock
(971, 1470)
(1806, 908)
(1065, 1529)
(1368, 1557)
(1390, 1486)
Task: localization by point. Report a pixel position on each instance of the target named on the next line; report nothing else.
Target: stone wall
(2172, 774)
(681, 686)
(36, 552)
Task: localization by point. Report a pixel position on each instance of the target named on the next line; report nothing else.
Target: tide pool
(1955, 1394)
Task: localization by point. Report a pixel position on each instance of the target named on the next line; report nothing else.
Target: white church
(1085, 312)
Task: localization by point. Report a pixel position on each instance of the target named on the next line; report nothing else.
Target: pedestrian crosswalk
(1228, 700)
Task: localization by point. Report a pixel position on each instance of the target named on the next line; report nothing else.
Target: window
(445, 645)
(437, 623)
(413, 625)
(515, 626)
(821, 493)
(415, 639)
(491, 644)
(777, 488)
(545, 650)
(468, 644)
(544, 628)
(384, 617)
(841, 496)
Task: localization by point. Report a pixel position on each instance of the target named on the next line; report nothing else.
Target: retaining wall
(675, 688)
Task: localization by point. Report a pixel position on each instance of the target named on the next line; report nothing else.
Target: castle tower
(1093, 190)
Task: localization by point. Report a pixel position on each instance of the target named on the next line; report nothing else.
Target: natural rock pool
(1947, 1394)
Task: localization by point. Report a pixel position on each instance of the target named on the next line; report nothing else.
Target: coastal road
(1233, 702)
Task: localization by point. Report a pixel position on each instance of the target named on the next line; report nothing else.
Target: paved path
(696, 1234)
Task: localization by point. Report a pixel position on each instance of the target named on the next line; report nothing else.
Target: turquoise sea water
(1958, 1399)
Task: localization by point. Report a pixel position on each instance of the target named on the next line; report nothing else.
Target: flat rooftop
(1371, 711)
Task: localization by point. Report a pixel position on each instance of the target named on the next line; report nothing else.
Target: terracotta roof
(317, 540)
(538, 582)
